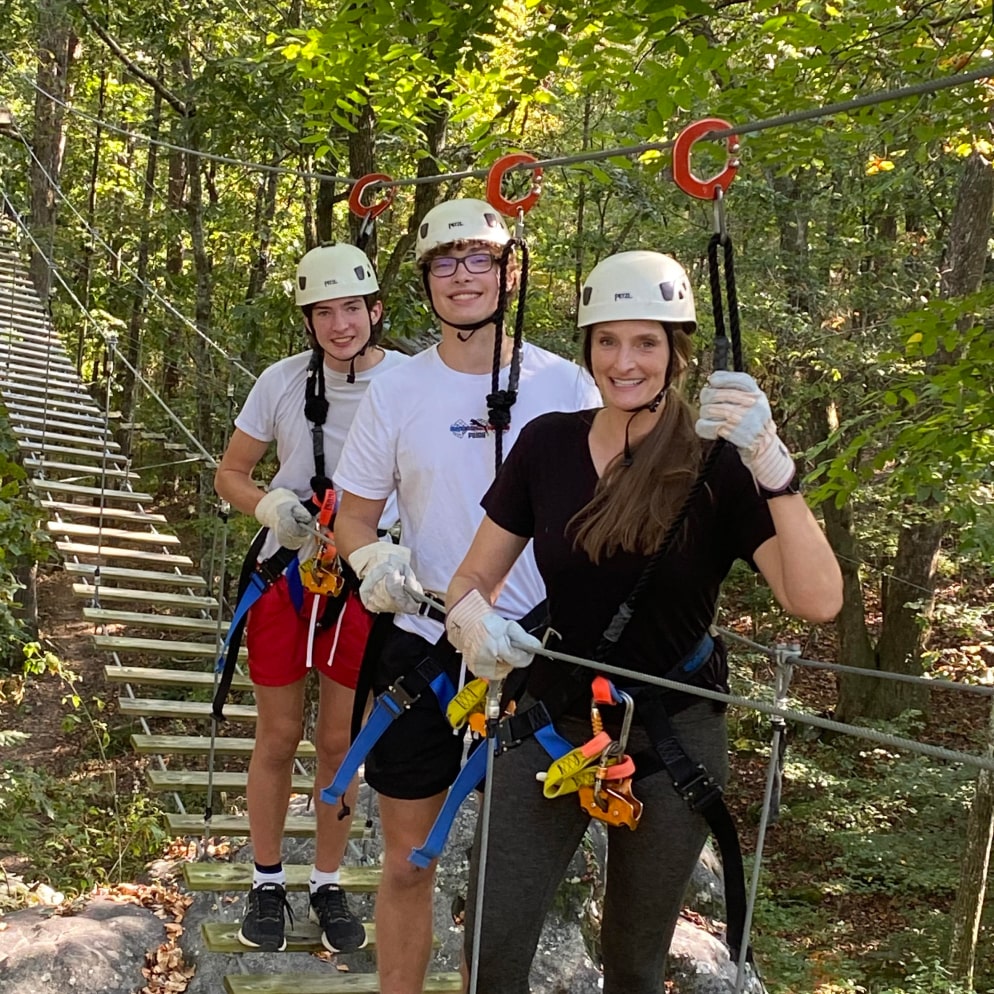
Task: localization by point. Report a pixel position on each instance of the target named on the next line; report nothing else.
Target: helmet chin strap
(350, 376)
(629, 457)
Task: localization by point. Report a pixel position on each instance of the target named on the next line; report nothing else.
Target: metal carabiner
(684, 176)
(369, 212)
(495, 182)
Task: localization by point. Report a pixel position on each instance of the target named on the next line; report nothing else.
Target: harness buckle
(701, 791)
(396, 699)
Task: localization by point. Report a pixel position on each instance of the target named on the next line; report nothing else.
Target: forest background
(173, 162)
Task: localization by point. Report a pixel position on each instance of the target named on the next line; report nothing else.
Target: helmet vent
(668, 289)
(586, 295)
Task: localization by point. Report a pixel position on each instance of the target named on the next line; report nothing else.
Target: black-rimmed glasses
(446, 265)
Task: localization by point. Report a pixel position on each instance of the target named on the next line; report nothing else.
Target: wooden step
(302, 937)
(124, 534)
(138, 575)
(200, 745)
(158, 647)
(149, 708)
(330, 982)
(148, 619)
(45, 446)
(64, 487)
(41, 372)
(49, 392)
(89, 440)
(160, 781)
(40, 406)
(238, 876)
(78, 421)
(121, 534)
(113, 552)
(27, 356)
(157, 597)
(155, 676)
(78, 469)
(92, 511)
(237, 826)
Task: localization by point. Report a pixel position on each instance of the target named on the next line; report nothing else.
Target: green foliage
(883, 828)
(76, 831)
(22, 542)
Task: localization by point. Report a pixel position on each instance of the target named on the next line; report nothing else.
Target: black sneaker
(341, 931)
(264, 926)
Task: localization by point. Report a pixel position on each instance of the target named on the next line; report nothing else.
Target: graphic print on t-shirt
(475, 428)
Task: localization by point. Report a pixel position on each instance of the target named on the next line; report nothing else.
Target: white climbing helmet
(460, 220)
(637, 285)
(332, 271)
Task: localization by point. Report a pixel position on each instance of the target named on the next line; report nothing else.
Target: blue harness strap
(472, 772)
(390, 705)
(255, 581)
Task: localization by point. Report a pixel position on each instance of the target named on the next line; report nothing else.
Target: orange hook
(495, 182)
(682, 174)
(370, 211)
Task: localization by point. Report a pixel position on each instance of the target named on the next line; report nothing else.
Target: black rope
(500, 402)
(316, 412)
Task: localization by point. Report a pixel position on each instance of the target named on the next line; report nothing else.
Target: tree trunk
(435, 131)
(967, 256)
(131, 347)
(175, 191)
(57, 47)
(908, 597)
(84, 273)
(968, 906)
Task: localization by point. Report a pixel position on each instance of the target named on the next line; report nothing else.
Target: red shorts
(277, 637)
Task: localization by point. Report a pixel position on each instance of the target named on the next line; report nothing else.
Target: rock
(100, 950)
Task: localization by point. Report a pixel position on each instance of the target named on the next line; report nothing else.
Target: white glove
(490, 645)
(734, 408)
(385, 571)
(283, 514)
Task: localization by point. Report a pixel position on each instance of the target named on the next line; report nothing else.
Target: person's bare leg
(277, 734)
(331, 740)
(404, 900)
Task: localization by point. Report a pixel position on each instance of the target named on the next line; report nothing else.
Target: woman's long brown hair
(633, 505)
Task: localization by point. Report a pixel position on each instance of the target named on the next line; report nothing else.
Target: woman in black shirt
(596, 491)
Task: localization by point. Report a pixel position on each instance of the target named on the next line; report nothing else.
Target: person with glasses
(426, 430)
(598, 491)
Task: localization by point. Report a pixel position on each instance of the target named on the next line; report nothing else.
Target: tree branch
(181, 108)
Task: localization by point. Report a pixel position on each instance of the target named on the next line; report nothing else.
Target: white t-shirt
(274, 412)
(423, 431)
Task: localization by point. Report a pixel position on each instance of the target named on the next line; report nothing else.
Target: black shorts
(418, 755)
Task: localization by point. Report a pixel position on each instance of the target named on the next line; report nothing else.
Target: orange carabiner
(370, 211)
(495, 183)
(682, 173)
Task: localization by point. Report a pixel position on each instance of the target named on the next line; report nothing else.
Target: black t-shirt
(549, 476)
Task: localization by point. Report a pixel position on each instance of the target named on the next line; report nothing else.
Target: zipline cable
(857, 731)
(922, 88)
(983, 690)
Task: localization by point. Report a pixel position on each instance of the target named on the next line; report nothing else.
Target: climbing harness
(321, 574)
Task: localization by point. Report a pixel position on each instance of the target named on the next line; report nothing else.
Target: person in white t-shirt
(305, 404)
(431, 432)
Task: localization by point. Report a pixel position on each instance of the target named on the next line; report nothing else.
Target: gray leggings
(532, 840)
